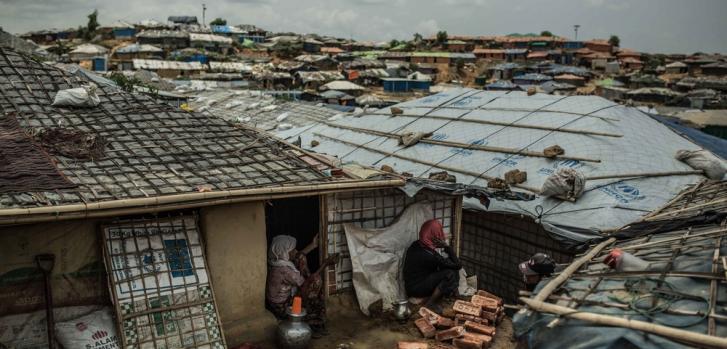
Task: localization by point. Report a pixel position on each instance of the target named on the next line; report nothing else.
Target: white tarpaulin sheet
(637, 144)
(377, 256)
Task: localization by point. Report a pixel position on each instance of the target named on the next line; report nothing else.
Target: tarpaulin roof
(478, 135)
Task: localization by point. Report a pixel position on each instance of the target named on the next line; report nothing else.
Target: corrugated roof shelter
(668, 294)
(259, 111)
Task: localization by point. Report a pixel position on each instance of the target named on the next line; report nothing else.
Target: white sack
(703, 160)
(77, 97)
(28, 330)
(566, 182)
(93, 331)
(377, 256)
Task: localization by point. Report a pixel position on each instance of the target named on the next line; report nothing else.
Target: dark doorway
(297, 217)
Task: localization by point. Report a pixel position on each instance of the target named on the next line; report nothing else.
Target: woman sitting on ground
(431, 268)
(288, 276)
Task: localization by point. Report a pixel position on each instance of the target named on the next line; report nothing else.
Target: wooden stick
(692, 208)
(423, 162)
(528, 126)
(572, 268)
(669, 332)
(464, 145)
(675, 199)
(692, 236)
(523, 293)
(647, 174)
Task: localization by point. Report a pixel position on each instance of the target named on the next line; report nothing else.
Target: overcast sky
(647, 25)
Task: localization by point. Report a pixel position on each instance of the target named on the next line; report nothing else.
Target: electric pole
(204, 9)
(575, 28)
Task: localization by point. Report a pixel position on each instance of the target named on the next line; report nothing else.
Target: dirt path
(350, 329)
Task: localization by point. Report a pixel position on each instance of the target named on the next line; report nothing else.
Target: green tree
(418, 38)
(219, 21)
(92, 25)
(460, 65)
(614, 41)
(394, 43)
(546, 33)
(442, 37)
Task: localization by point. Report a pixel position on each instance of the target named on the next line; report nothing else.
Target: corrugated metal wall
(373, 209)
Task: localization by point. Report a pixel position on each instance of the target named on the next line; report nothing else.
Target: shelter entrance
(299, 218)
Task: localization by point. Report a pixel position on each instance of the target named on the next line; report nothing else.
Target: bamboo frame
(691, 208)
(488, 122)
(676, 334)
(181, 201)
(647, 174)
(553, 284)
(428, 163)
(463, 145)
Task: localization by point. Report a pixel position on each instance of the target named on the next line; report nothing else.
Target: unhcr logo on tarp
(434, 137)
(467, 152)
(622, 192)
(547, 171)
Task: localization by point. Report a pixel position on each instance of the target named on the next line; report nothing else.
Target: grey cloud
(649, 25)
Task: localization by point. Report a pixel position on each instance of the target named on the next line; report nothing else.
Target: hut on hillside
(145, 209)
(626, 158)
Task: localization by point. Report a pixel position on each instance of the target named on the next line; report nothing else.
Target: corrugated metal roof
(230, 67)
(137, 48)
(163, 34)
(152, 64)
(196, 37)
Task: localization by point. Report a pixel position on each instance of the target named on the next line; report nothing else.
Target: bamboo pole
(528, 126)
(675, 199)
(506, 124)
(553, 284)
(690, 237)
(669, 332)
(424, 162)
(509, 109)
(464, 145)
(153, 204)
(647, 174)
(692, 208)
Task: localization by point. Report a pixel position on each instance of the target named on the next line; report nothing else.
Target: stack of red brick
(472, 325)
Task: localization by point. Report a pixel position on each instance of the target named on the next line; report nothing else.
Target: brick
(483, 338)
(444, 322)
(486, 303)
(467, 343)
(489, 316)
(431, 316)
(467, 308)
(426, 329)
(463, 318)
(412, 345)
(515, 176)
(442, 346)
(451, 333)
(484, 293)
(474, 327)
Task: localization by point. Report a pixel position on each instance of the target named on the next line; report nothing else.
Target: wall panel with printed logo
(160, 284)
